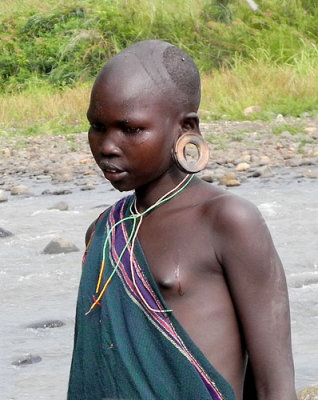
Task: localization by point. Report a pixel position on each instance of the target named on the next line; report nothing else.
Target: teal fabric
(119, 353)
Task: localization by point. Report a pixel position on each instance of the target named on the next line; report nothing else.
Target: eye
(98, 127)
(130, 130)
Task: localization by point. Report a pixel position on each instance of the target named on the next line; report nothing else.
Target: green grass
(292, 129)
(53, 49)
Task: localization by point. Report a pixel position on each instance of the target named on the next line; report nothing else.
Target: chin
(122, 187)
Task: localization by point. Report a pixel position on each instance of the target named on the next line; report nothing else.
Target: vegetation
(53, 49)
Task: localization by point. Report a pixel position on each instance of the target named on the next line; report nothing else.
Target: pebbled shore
(239, 150)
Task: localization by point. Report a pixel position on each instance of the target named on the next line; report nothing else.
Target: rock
(251, 110)
(311, 174)
(3, 196)
(264, 172)
(62, 177)
(229, 179)
(4, 233)
(286, 135)
(307, 161)
(46, 324)
(218, 173)
(61, 192)
(311, 129)
(245, 158)
(207, 178)
(280, 118)
(314, 135)
(27, 360)
(19, 189)
(61, 205)
(243, 166)
(294, 162)
(89, 172)
(86, 161)
(6, 153)
(42, 177)
(60, 245)
(87, 187)
(310, 393)
(264, 160)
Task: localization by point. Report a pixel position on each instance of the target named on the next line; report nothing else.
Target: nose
(106, 144)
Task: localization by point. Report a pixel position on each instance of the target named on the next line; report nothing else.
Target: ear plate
(180, 153)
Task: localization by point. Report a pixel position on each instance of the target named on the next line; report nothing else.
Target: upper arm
(257, 285)
(89, 231)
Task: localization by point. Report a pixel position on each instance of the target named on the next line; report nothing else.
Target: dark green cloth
(121, 349)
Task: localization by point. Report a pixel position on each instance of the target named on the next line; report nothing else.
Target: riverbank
(239, 150)
(41, 287)
(272, 164)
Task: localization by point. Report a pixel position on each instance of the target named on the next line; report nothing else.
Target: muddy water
(37, 287)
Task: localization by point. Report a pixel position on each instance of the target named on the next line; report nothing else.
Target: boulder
(207, 177)
(19, 189)
(280, 118)
(243, 166)
(264, 160)
(312, 174)
(26, 360)
(6, 153)
(3, 196)
(60, 245)
(229, 179)
(264, 172)
(4, 233)
(251, 110)
(46, 324)
(61, 205)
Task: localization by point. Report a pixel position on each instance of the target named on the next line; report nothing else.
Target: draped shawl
(123, 349)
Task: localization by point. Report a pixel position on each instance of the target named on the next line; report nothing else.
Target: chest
(179, 250)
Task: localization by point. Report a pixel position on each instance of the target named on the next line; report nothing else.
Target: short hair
(184, 73)
(157, 56)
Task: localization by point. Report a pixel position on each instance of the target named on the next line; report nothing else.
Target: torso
(180, 245)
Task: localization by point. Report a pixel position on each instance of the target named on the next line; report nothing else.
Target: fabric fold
(128, 347)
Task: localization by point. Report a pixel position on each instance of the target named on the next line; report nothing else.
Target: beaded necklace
(134, 216)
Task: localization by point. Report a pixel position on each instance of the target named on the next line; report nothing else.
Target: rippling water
(37, 287)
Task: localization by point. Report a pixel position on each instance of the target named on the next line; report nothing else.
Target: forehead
(129, 86)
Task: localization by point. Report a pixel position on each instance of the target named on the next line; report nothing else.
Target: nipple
(177, 277)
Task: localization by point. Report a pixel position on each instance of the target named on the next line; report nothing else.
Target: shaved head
(162, 68)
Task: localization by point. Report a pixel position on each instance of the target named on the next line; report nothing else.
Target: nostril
(109, 148)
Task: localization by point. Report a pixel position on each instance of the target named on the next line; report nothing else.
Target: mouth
(112, 172)
(109, 167)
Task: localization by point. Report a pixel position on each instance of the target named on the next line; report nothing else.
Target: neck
(147, 195)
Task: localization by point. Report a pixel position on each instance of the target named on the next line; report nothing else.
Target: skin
(209, 251)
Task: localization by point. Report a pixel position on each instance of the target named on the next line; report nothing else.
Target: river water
(37, 287)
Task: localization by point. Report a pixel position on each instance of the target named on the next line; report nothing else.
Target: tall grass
(67, 42)
(277, 89)
(52, 49)
(225, 94)
(45, 110)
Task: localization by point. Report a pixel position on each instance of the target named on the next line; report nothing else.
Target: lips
(110, 168)
(112, 172)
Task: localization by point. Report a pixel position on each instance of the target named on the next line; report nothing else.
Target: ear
(190, 123)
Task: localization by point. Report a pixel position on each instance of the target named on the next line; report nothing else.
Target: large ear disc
(186, 163)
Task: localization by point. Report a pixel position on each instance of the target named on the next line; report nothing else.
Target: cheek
(93, 146)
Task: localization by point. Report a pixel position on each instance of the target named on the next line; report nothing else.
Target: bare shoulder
(89, 231)
(238, 228)
(256, 281)
(227, 211)
(92, 226)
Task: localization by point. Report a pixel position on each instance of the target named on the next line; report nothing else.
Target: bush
(66, 43)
